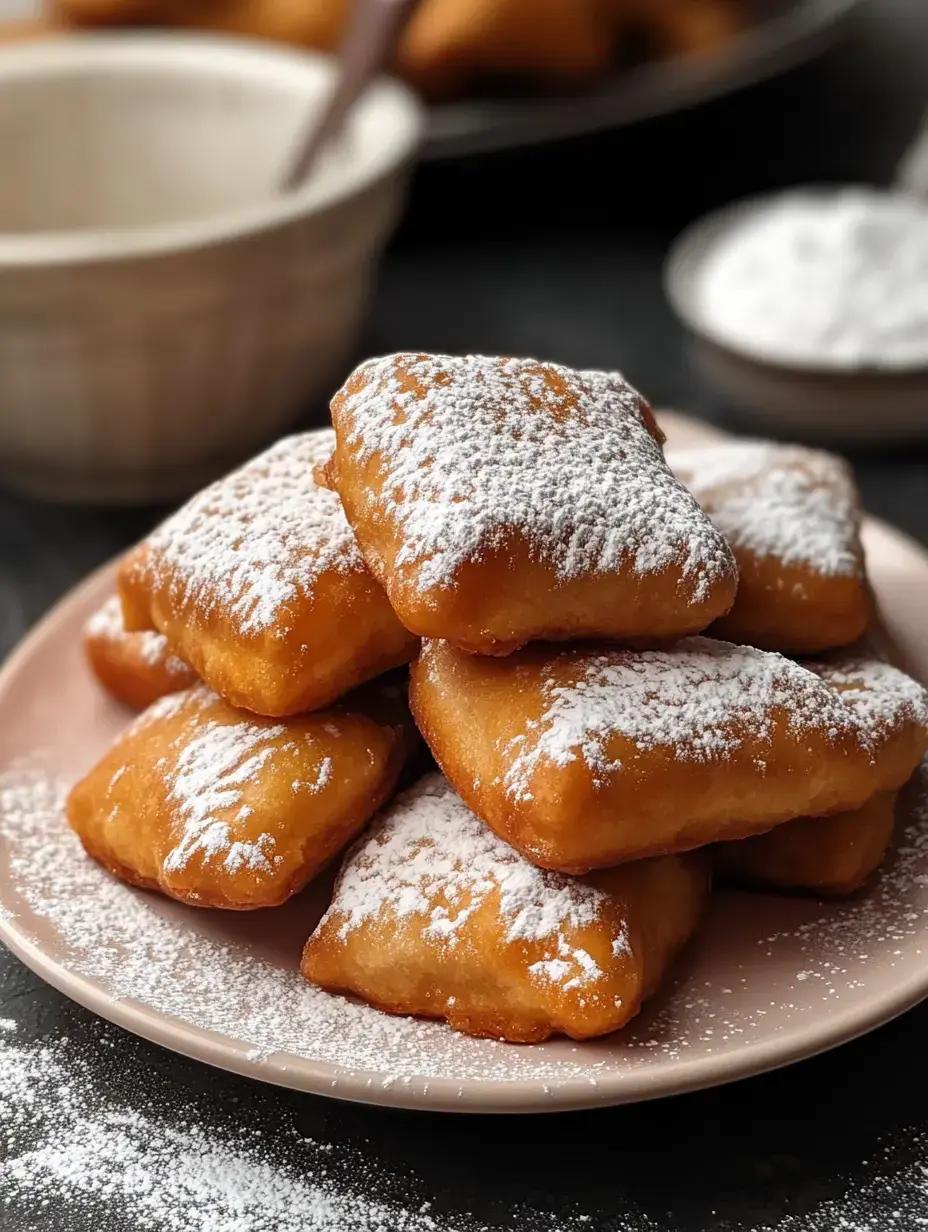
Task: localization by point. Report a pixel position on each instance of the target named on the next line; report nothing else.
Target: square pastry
(258, 584)
(219, 808)
(586, 757)
(436, 916)
(502, 501)
(792, 517)
(829, 856)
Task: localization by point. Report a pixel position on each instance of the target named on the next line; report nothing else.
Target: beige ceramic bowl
(820, 404)
(163, 310)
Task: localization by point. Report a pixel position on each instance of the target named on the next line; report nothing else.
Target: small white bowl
(163, 309)
(825, 404)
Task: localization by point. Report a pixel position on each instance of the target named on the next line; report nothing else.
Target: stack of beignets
(599, 753)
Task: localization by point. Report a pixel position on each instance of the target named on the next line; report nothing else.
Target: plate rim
(430, 1094)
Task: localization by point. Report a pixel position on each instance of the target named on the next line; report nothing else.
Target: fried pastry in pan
(304, 23)
(449, 43)
(135, 668)
(588, 757)
(829, 856)
(219, 808)
(792, 517)
(680, 27)
(258, 584)
(501, 501)
(114, 12)
(436, 916)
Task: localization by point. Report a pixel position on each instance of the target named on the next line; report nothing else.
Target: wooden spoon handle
(373, 29)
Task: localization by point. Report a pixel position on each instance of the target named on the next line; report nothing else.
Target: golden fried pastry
(449, 43)
(500, 501)
(259, 586)
(792, 517)
(681, 27)
(830, 856)
(587, 757)
(436, 916)
(114, 12)
(218, 808)
(305, 23)
(136, 668)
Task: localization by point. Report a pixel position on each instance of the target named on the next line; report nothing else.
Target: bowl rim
(226, 57)
(687, 254)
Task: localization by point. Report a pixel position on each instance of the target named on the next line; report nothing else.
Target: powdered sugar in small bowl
(809, 311)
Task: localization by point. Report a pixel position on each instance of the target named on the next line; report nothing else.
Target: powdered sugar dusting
(428, 848)
(244, 984)
(877, 694)
(207, 778)
(797, 505)
(702, 699)
(153, 649)
(211, 764)
(474, 449)
(258, 539)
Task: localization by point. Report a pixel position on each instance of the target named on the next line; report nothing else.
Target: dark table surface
(557, 252)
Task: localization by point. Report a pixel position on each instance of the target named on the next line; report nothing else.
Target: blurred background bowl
(826, 404)
(164, 310)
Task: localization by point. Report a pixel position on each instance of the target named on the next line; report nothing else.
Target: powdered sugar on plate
(257, 540)
(427, 855)
(238, 977)
(472, 450)
(106, 624)
(797, 505)
(702, 699)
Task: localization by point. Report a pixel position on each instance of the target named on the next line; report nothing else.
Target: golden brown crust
(114, 12)
(258, 584)
(454, 946)
(135, 668)
(221, 809)
(792, 517)
(586, 758)
(830, 856)
(450, 43)
(504, 501)
(796, 611)
(317, 24)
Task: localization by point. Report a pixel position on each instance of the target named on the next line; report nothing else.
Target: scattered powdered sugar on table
(258, 539)
(427, 855)
(702, 699)
(60, 1142)
(834, 280)
(796, 505)
(107, 625)
(473, 449)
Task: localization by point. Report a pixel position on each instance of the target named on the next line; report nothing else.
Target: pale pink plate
(768, 980)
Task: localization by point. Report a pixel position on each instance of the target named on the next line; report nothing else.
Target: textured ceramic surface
(826, 404)
(164, 308)
(767, 981)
